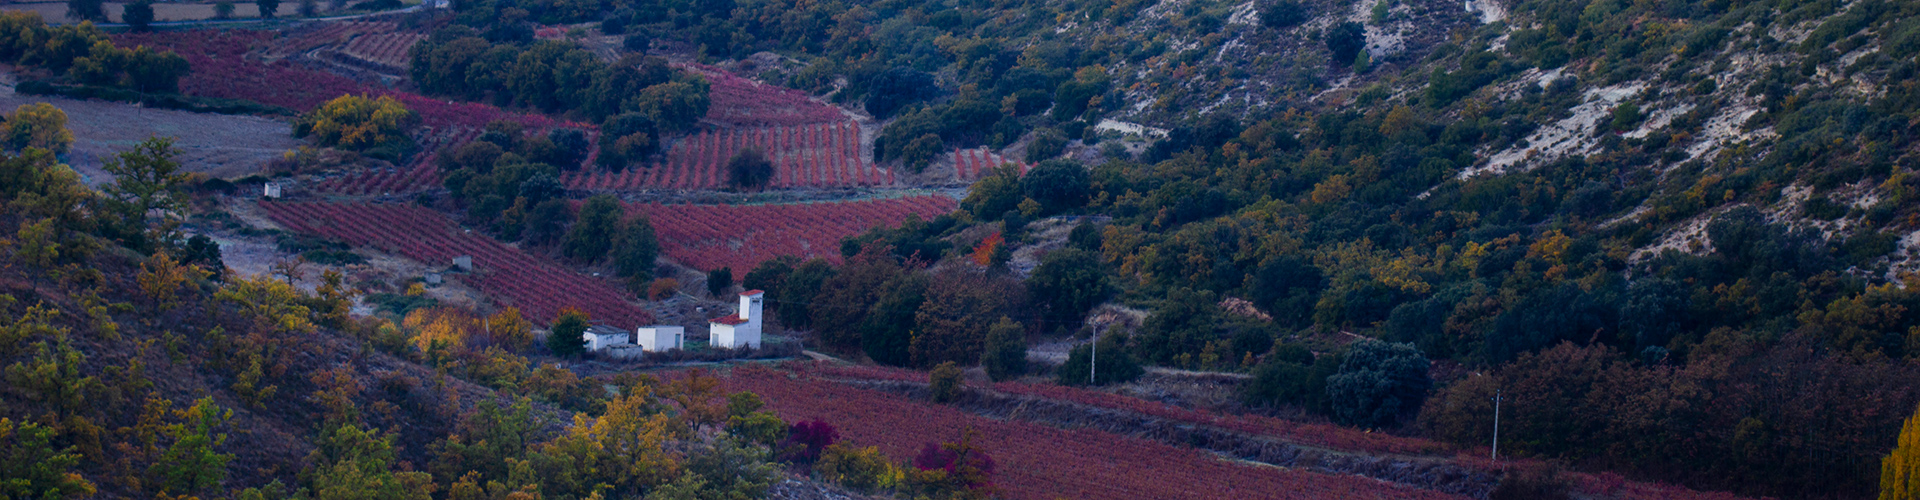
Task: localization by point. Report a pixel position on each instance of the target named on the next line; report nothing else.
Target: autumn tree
(565, 339)
(351, 462)
(377, 126)
(510, 329)
(335, 298)
(37, 125)
(193, 463)
(487, 441)
(623, 449)
(746, 420)
(148, 191)
(959, 469)
(161, 278)
(31, 466)
(38, 243)
(1900, 470)
(35, 184)
(55, 378)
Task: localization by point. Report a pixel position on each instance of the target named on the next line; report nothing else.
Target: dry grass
(219, 145)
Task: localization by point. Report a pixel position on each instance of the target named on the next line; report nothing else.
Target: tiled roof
(733, 319)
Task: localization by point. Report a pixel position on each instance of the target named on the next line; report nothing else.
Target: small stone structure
(660, 338)
(602, 337)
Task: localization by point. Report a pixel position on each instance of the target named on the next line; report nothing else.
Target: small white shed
(740, 329)
(601, 337)
(660, 338)
(272, 190)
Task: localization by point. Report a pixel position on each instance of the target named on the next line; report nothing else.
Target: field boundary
(1432, 474)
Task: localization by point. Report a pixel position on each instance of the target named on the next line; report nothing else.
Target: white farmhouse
(601, 337)
(659, 338)
(741, 329)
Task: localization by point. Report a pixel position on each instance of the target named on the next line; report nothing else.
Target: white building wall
(599, 342)
(661, 338)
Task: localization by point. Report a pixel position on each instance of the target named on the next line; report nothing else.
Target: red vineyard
(539, 287)
(389, 49)
(817, 155)
(714, 236)
(741, 102)
(226, 66)
(418, 174)
(1601, 485)
(977, 163)
(1042, 463)
(1319, 435)
(315, 35)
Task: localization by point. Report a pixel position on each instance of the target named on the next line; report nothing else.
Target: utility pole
(1095, 361)
(1496, 424)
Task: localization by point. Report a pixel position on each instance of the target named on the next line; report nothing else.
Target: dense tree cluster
(636, 99)
(84, 54)
(375, 126)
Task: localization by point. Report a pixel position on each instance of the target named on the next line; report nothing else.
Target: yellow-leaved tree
(1900, 471)
(360, 123)
(37, 125)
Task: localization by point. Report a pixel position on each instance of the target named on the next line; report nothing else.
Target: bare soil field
(218, 145)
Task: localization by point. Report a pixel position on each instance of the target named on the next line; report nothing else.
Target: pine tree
(1900, 471)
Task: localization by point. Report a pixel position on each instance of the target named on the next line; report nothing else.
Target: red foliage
(1042, 463)
(226, 65)
(1318, 435)
(715, 236)
(542, 289)
(977, 163)
(741, 102)
(810, 155)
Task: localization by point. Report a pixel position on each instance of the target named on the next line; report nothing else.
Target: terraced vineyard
(388, 49)
(712, 236)
(539, 287)
(1038, 462)
(976, 163)
(813, 155)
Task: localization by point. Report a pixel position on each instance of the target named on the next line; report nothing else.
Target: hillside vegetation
(1675, 239)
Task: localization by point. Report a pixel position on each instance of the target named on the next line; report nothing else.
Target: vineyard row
(712, 236)
(539, 287)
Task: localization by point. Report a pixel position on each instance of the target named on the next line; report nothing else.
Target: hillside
(1669, 243)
